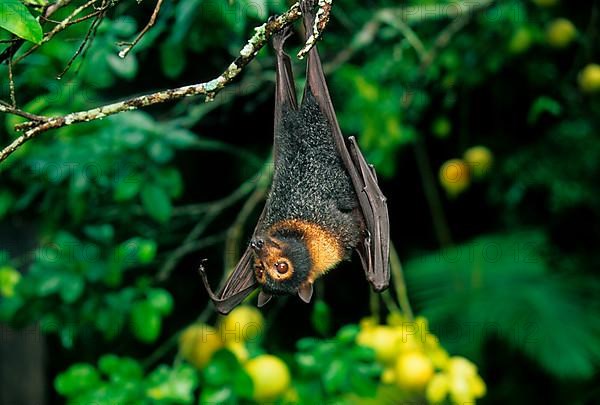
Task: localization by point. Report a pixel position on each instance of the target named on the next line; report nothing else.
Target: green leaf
(120, 368)
(172, 58)
(6, 202)
(49, 283)
(321, 317)
(103, 233)
(77, 379)
(170, 179)
(361, 381)
(123, 67)
(161, 300)
(217, 395)
(175, 385)
(542, 105)
(242, 384)
(145, 322)
(72, 287)
(160, 152)
(348, 333)
(181, 138)
(126, 188)
(17, 19)
(335, 375)
(156, 202)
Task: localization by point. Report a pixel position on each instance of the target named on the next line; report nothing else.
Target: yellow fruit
(560, 33)
(239, 350)
(520, 41)
(459, 366)
(410, 341)
(545, 3)
(385, 340)
(480, 160)
(270, 377)
(437, 389)
(198, 343)
(388, 376)
(465, 384)
(243, 324)
(454, 176)
(413, 370)
(478, 388)
(368, 323)
(459, 390)
(589, 78)
(395, 319)
(439, 357)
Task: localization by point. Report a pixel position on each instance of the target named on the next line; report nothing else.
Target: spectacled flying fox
(324, 201)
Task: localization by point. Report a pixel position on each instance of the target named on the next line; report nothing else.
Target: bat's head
(282, 265)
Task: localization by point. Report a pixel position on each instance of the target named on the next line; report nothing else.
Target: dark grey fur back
(310, 181)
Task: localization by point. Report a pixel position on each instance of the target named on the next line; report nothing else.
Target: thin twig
(210, 88)
(399, 283)
(440, 223)
(63, 24)
(202, 208)
(11, 83)
(234, 234)
(150, 24)
(374, 306)
(412, 38)
(389, 302)
(185, 249)
(7, 108)
(85, 17)
(190, 242)
(90, 34)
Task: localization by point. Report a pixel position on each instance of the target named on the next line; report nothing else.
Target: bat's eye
(281, 267)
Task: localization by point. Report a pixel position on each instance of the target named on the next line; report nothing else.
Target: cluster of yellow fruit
(455, 174)
(197, 344)
(560, 33)
(414, 361)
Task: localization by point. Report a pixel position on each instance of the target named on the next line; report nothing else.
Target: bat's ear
(263, 298)
(305, 292)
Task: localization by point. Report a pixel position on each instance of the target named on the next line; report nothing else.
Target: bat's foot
(280, 37)
(308, 13)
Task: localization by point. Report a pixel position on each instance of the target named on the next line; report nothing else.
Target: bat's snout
(257, 244)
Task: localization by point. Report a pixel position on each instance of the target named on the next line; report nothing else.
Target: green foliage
(328, 369)
(17, 19)
(544, 315)
(111, 203)
(121, 379)
(225, 381)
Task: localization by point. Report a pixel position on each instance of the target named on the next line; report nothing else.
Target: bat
(324, 202)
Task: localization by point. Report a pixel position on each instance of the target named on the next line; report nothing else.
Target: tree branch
(321, 20)
(209, 89)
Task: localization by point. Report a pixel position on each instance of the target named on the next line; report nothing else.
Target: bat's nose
(257, 244)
